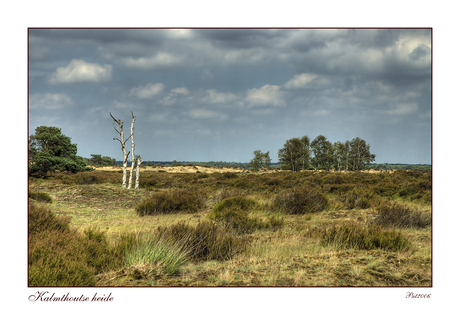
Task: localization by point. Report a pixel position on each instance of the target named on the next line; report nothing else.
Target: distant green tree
(51, 151)
(340, 155)
(260, 160)
(322, 153)
(98, 160)
(359, 154)
(305, 152)
(295, 154)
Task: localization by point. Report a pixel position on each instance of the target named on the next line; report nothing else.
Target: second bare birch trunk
(138, 169)
(132, 152)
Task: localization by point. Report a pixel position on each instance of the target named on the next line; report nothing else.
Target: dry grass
(289, 255)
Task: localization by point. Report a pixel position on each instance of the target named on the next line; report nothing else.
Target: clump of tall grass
(158, 255)
(299, 201)
(397, 215)
(205, 241)
(181, 200)
(352, 235)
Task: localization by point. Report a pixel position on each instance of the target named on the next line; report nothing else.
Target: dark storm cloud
(195, 89)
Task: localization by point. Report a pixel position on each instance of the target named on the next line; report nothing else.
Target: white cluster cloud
(181, 90)
(81, 71)
(300, 81)
(159, 60)
(214, 97)
(148, 91)
(49, 101)
(266, 95)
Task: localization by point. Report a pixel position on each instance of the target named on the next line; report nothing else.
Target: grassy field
(233, 229)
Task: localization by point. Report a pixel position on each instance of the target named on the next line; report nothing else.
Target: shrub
(42, 219)
(234, 213)
(58, 259)
(229, 175)
(87, 179)
(59, 256)
(352, 235)
(299, 201)
(357, 199)
(396, 215)
(39, 196)
(206, 241)
(171, 202)
(239, 202)
(274, 181)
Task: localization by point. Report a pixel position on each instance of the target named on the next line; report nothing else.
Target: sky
(220, 94)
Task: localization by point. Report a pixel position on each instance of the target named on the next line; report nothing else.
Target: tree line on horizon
(51, 151)
(320, 154)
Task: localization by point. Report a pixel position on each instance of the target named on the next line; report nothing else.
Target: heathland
(203, 226)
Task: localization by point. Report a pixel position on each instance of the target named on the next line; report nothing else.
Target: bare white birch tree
(139, 162)
(133, 160)
(123, 147)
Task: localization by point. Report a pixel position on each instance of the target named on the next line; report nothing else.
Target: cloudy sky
(220, 94)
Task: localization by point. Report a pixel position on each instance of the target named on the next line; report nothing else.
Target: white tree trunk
(132, 153)
(123, 148)
(138, 170)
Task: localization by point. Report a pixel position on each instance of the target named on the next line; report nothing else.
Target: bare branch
(115, 127)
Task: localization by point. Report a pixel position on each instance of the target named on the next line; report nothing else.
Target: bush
(352, 235)
(299, 201)
(58, 259)
(171, 202)
(234, 213)
(396, 215)
(239, 202)
(42, 219)
(39, 196)
(357, 199)
(206, 241)
(87, 179)
(59, 256)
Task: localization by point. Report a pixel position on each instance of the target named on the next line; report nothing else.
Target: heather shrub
(226, 193)
(181, 200)
(40, 196)
(59, 256)
(274, 181)
(206, 241)
(299, 201)
(234, 213)
(42, 219)
(352, 235)
(87, 179)
(58, 259)
(397, 215)
(357, 199)
(239, 202)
